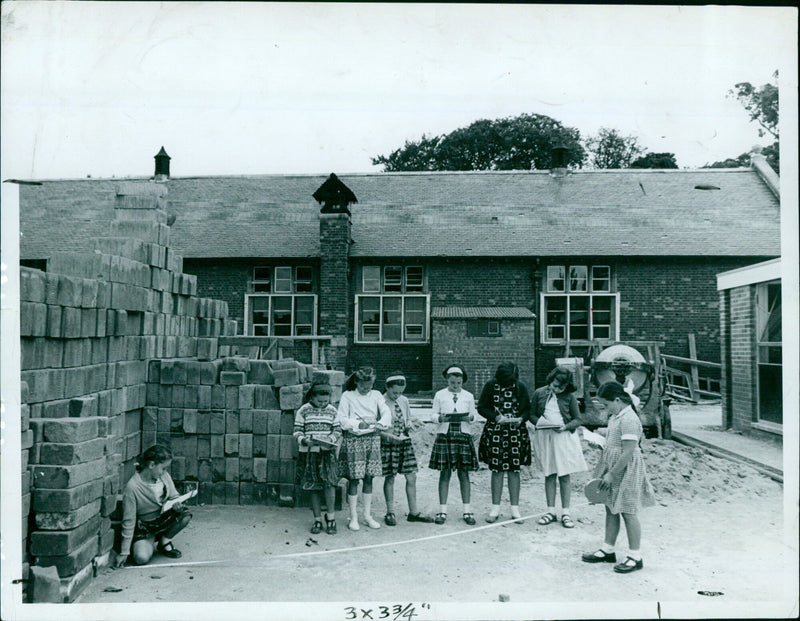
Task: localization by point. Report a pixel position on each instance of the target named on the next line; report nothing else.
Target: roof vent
(162, 165)
(558, 160)
(706, 186)
(334, 196)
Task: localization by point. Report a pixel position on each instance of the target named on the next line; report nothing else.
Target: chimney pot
(162, 165)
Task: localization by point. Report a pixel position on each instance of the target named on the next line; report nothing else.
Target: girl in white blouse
(362, 415)
(454, 448)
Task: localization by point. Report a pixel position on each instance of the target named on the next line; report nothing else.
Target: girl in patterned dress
(362, 415)
(453, 448)
(505, 445)
(555, 415)
(317, 433)
(622, 472)
(397, 452)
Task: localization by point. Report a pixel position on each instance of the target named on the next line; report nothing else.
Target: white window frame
(304, 281)
(249, 326)
(761, 307)
(399, 283)
(372, 279)
(543, 323)
(282, 279)
(406, 286)
(404, 296)
(256, 281)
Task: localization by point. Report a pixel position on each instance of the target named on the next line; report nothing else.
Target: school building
(414, 271)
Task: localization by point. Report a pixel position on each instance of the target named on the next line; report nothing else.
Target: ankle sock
(552, 510)
(515, 511)
(636, 555)
(442, 508)
(607, 548)
(495, 511)
(466, 508)
(352, 502)
(367, 503)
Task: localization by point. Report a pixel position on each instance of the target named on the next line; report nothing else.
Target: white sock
(367, 503)
(352, 501)
(551, 510)
(515, 511)
(564, 511)
(495, 510)
(636, 555)
(607, 548)
(442, 508)
(466, 508)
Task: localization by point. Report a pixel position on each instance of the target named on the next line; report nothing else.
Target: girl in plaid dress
(317, 433)
(622, 472)
(453, 448)
(505, 445)
(397, 452)
(362, 415)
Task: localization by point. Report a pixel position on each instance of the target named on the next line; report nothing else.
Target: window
(483, 328)
(769, 352)
(280, 315)
(392, 279)
(283, 279)
(579, 304)
(392, 318)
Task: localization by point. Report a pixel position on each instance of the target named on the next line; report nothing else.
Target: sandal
(566, 521)
(547, 518)
(469, 518)
(390, 519)
(492, 518)
(169, 550)
(331, 526)
(440, 518)
(317, 527)
(599, 557)
(628, 565)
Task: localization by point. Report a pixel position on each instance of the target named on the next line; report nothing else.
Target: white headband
(395, 378)
(454, 371)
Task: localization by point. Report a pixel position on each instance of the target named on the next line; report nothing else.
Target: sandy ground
(717, 527)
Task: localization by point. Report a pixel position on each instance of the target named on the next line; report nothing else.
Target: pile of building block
(229, 424)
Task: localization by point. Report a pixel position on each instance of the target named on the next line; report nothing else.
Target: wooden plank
(693, 355)
(699, 363)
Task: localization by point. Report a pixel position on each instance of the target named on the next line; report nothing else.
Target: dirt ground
(717, 528)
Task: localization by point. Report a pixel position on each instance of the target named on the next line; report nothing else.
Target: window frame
(543, 325)
(358, 325)
(374, 279)
(249, 325)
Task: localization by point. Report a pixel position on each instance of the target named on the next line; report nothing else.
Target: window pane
(415, 317)
(262, 273)
(283, 279)
(261, 287)
(282, 316)
(578, 278)
(370, 332)
(261, 330)
(770, 354)
(555, 278)
(555, 317)
(302, 278)
(414, 278)
(371, 279)
(392, 318)
(369, 313)
(304, 311)
(579, 318)
(393, 279)
(601, 317)
(493, 328)
(555, 332)
(260, 302)
(601, 278)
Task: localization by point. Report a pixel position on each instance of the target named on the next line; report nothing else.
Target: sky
(95, 89)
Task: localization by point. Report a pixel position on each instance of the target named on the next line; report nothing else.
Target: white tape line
(244, 562)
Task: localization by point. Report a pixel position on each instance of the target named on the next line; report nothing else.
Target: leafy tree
(655, 160)
(771, 153)
(761, 104)
(523, 142)
(610, 149)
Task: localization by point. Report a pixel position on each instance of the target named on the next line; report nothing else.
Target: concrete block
(274, 421)
(287, 444)
(246, 496)
(190, 421)
(176, 420)
(286, 377)
(203, 423)
(259, 445)
(167, 372)
(236, 363)
(83, 407)
(264, 398)
(208, 372)
(26, 441)
(25, 417)
(259, 421)
(231, 444)
(67, 520)
(69, 565)
(88, 322)
(217, 446)
(287, 476)
(334, 378)
(56, 409)
(53, 326)
(232, 378)
(191, 396)
(45, 585)
(273, 470)
(69, 291)
(204, 470)
(204, 493)
(232, 397)
(181, 370)
(71, 454)
(71, 430)
(247, 396)
(231, 469)
(217, 422)
(133, 445)
(66, 477)
(178, 395)
(218, 469)
(207, 348)
(218, 493)
(149, 418)
(60, 542)
(245, 421)
(273, 447)
(70, 322)
(89, 293)
(231, 493)
(178, 468)
(203, 397)
(291, 397)
(245, 445)
(260, 469)
(51, 288)
(260, 372)
(218, 397)
(287, 423)
(245, 469)
(31, 284)
(203, 447)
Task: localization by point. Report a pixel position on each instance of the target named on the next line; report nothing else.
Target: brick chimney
(162, 165)
(334, 247)
(558, 160)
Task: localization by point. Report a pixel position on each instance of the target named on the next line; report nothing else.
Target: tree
(655, 160)
(610, 149)
(761, 104)
(523, 142)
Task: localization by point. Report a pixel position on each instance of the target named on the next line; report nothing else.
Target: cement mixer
(624, 364)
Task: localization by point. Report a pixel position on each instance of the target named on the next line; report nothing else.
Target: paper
(593, 438)
(170, 503)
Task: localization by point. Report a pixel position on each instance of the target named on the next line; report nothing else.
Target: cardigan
(139, 503)
(355, 408)
(443, 404)
(405, 412)
(567, 405)
(486, 402)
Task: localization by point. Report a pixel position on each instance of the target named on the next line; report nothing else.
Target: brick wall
(480, 356)
(743, 397)
(413, 360)
(484, 282)
(225, 280)
(725, 357)
(334, 289)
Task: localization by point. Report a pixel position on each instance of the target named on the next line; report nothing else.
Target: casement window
(282, 279)
(578, 304)
(280, 315)
(483, 328)
(391, 318)
(769, 355)
(392, 279)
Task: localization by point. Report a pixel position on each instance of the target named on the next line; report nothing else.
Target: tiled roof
(481, 312)
(628, 212)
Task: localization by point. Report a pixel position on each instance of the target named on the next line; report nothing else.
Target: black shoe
(591, 557)
(628, 565)
(418, 517)
(169, 550)
(330, 526)
(469, 518)
(390, 519)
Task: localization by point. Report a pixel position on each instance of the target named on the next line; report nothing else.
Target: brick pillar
(334, 242)
(725, 358)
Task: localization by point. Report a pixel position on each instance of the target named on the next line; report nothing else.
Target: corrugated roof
(622, 212)
(481, 312)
